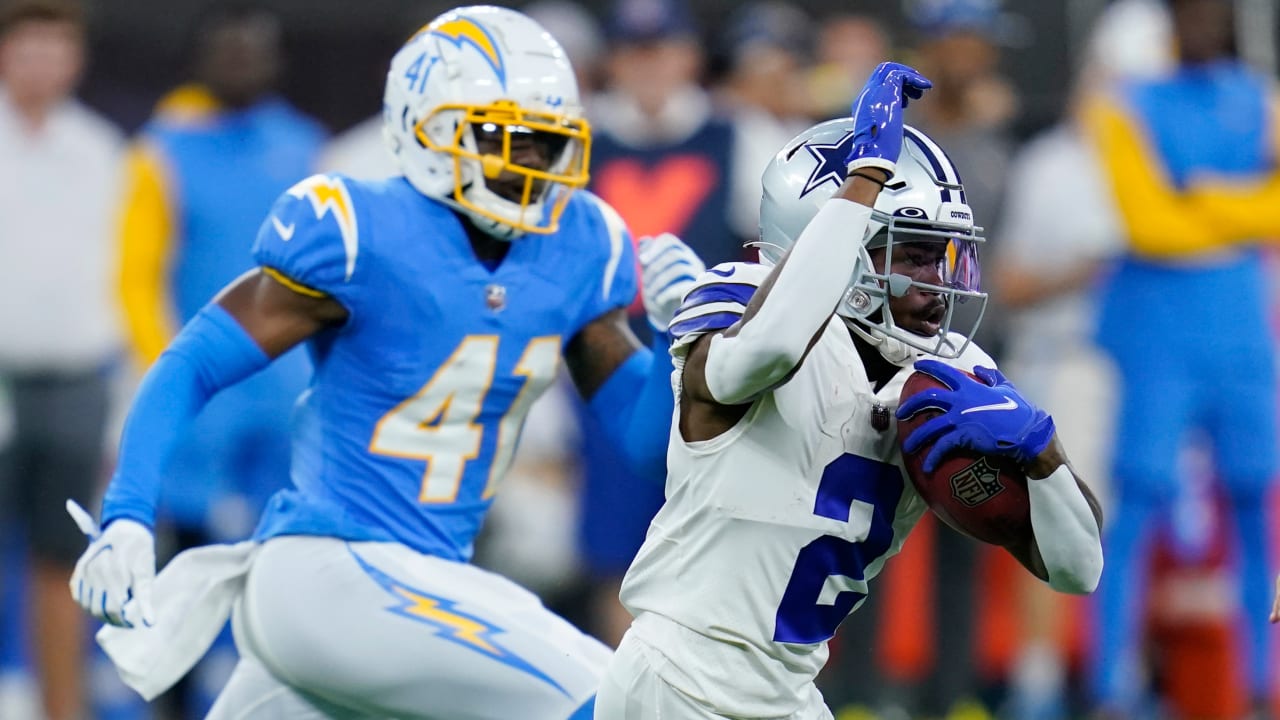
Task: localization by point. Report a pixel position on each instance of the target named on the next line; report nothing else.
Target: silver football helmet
(924, 201)
(466, 96)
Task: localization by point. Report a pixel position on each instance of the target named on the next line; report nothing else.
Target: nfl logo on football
(977, 483)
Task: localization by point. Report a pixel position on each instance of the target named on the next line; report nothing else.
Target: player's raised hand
(668, 268)
(112, 580)
(986, 414)
(877, 115)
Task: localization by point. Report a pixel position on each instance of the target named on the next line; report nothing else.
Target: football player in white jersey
(786, 491)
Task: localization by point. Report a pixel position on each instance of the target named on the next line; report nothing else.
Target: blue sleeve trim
(212, 352)
(710, 322)
(634, 409)
(718, 292)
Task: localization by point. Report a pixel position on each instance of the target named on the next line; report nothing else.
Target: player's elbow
(747, 375)
(1080, 577)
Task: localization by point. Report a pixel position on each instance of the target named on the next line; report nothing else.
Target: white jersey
(772, 530)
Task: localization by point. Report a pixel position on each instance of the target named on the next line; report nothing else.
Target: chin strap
(892, 349)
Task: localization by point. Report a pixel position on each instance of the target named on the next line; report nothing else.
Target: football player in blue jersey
(436, 307)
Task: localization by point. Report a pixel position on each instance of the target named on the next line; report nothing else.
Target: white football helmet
(924, 201)
(470, 100)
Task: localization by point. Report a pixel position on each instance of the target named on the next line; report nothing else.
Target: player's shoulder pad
(599, 212)
(716, 300)
(615, 251)
(313, 232)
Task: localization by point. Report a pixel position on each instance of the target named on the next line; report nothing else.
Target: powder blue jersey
(417, 401)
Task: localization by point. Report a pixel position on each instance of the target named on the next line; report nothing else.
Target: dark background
(339, 48)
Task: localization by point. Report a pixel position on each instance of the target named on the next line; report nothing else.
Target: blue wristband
(212, 352)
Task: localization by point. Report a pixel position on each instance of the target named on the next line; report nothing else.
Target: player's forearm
(1066, 523)
(784, 317)
(634, 408)
(212, 352)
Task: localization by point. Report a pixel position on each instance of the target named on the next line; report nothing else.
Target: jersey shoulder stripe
(716, 301)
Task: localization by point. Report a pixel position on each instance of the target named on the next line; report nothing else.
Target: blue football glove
(990, 416)
(668, 269)
(877, 116)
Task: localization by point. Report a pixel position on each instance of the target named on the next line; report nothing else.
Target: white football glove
(113, 578)
(668, 268)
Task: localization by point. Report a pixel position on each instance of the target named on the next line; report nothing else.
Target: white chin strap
(892, 349)
(487, 225)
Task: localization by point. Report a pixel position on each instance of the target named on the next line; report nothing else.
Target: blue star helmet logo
(831, 165)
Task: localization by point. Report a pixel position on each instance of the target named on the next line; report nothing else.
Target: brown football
(984, 497)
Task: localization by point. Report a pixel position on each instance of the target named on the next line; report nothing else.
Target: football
(984, 497)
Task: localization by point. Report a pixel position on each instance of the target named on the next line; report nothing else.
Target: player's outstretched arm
(795, 302)
(627, 388)
(252, 321)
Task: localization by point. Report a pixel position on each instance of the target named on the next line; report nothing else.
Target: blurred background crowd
(1122, 156)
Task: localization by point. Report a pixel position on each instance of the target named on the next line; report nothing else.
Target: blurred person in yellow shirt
(1191, 158)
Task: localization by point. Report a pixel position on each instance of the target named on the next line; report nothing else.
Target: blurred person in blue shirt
(1192, 162)
(202, 172)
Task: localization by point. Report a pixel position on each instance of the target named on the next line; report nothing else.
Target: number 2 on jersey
(829, 577)
(438, 424)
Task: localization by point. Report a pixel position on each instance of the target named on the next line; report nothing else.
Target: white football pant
(331, 629)
(632, 689)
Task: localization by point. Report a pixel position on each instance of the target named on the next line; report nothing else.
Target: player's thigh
(1239, 404)
(1157, 407)
(253, 693)
(631, 689)
(61, 421)
(378, 628)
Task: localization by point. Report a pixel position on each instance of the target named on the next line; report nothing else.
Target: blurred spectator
(849, 48)
(1059, 227)
(766, 45)
(202, 175)
(60, 185)
(360, 151)
(579, 34)
(1191, 160)
(661, 156)
(666, 163)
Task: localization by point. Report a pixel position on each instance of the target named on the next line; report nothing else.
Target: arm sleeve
(1162, 222)
(212, 352)
(634, 408)
(806, 291)
(1066, 532)
(311, 240)
(145, 250)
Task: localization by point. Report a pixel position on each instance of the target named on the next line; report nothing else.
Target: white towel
(193, 598)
